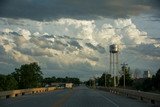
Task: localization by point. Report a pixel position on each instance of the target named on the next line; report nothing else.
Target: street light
(124, 65)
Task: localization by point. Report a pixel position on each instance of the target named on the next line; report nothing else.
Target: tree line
(148, 84)
(29, 76)
(143, 84)
(50, 80)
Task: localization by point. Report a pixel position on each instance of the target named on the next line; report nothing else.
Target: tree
(76, 81)
(89, 82)
(109, 80)
(128, 80)
(2, 82)
(53, 79)
(138, 84)
(147, 84)
(8, 82)
(157, 80)
(17, 76)
(11, 83)
(28, 75)
(49, 80)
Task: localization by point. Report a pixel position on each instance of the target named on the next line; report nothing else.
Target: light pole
(124, 65)
(94, 82)
(105, 80)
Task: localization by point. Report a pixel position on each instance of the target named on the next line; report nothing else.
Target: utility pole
(94, 82)
(105, 80)
(90, 82)
(124, 66)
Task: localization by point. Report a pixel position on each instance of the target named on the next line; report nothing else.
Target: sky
(72, 37)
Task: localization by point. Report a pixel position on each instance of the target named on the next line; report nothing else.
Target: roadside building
(147, 74)
(69, 85)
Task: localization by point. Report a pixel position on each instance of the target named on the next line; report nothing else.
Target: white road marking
(109, 100)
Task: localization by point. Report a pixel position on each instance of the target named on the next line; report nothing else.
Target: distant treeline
(50, 80)
(30, 76)
(143, 84)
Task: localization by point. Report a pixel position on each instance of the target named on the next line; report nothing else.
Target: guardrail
(15, 93)
(145, 96)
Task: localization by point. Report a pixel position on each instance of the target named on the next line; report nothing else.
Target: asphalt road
(77, 97)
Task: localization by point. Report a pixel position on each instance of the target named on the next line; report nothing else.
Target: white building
(69, 85)
(147, 74)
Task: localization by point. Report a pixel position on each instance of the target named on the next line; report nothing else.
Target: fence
(145, 96)
(15, 93)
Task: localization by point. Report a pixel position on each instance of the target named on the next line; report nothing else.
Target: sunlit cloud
(76, 45)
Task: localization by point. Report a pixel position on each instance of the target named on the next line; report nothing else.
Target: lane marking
(63, 99)
(108, 100)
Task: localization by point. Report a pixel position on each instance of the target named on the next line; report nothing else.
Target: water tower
(114, 50)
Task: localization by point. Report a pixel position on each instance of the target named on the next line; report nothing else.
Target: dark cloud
(83, 9)
(10, 33)
(15, 33)
(2, 50)
(148, 49)
(99, 48)
(58, 45)
(93, 58)
(76, 44)
(91, 46)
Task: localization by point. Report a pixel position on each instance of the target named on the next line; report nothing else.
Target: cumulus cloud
(84, 48)
(21, 57)
(25, 33)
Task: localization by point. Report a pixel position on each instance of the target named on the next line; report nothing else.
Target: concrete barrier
(145, 96)
(15, 93)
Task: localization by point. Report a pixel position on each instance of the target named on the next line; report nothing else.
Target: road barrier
(145, 96)
(15, 93)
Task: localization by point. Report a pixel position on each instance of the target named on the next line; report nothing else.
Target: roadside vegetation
(141, 84)
(30, 76)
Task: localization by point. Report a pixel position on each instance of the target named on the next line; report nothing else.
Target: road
(78, 97)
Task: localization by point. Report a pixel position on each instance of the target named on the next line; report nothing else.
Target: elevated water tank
(114, 48)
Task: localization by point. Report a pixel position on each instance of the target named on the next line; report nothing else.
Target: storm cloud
(44, 10)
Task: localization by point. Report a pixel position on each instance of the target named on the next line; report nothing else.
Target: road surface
(78, 97)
